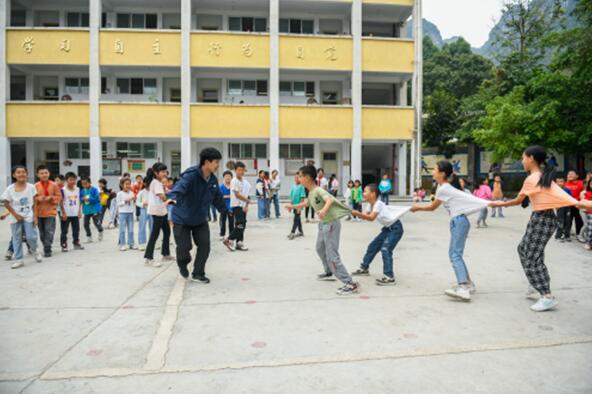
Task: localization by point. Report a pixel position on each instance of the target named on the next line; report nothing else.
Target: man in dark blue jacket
(193, 194)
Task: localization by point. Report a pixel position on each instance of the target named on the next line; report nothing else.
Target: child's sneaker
(133, 247)
(200, 279)
(229, 244)
(100, 236)
(385, 281)
(8, 256)
(241, 246)
(77, 246)
(461, 292)
(142, 247)
(291, 236)
(64, 249)
(532, 294)
(122, 248)
(325, 276)
(152, 263)
(544, 304)
(588, 247)
(350, 288)
(89, 240)
(299, 235)
(38, 257)
(17, 264)
(361, 272)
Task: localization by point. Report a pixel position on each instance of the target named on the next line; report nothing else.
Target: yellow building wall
(47, 120)
(316, 122)
(316, 53)
(230, 50)
(387, 55)
(152, 48)
(387, 123)
(140, 120)
(44, 46)
(229, 121)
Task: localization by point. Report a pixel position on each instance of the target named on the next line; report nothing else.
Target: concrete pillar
(356, 143)
(403, 94)
(401, 181)
(4, 94)
(94, 92)
(274, 86)
(346, 168)
(418, 86)
(186, 86)
(30, 157)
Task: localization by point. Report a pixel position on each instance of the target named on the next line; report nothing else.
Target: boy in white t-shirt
(71, 212)
(19, 200)
(388, 238)
(239, 202)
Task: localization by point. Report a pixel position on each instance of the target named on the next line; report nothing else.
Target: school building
(104, 87)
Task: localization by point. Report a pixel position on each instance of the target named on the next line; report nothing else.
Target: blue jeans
(262, 205)
(385, 242)
(276, 205)
(384, 197)
(126, 222)
(459, 229)
(145, 219)
(17, 230)
(482, 216)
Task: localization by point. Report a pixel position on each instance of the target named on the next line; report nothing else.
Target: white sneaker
(142, 247)
(460, 292)
(241, 246)
(100, 236)
(544, 304)
(89, 240)
(17, 264)
(111, 226)
(471, 286)
(148, 262)
(133, 247)
(38, 257)
(532, 294)
(123, 248)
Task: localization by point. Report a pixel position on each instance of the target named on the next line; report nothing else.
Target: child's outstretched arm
(370, 216)
(584, 204)
(510, 203)
(426, 208)
(301, 205)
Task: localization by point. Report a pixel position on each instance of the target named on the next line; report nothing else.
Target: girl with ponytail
(545, 196)
(459, 204)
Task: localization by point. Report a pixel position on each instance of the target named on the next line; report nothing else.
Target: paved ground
(98, 321)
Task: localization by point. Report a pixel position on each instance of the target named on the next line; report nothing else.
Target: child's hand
(289, 207)
(322, 213)
(495, 204)
(584, 204)
(356, 213)
(4, 216)
(414, 208)
(64, 217)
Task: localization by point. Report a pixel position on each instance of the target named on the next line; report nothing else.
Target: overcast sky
(471, 19)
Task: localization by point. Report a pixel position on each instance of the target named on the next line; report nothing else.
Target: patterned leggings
(531, 249)
(589, 229)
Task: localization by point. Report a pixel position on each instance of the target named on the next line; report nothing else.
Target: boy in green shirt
(330, 210)
(297, 195)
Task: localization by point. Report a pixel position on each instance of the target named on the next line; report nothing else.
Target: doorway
(330, 163)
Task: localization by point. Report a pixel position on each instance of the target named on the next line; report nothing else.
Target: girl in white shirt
(144, 218)
(126, 207)
(157, 208)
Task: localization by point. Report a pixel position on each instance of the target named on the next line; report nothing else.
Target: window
(136, 150)
(18, 87)
(77, 19)
(247, 24)
(175, 95)
(285, 88)
(78, 150)
(210, 95)
(150, 86)
(18, 18)
(145, 86)
(104, 88)
(137, 21)
(330, 98)
(297, 26)
(235, 87)
(247, 88)
(247, 151)
(103, 149)
(76, 86)
(175, 163)
(296, 151)
(297, 88)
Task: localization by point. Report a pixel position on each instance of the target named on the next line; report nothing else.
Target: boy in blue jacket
(91, 208)
(385, 187)
(193, 194)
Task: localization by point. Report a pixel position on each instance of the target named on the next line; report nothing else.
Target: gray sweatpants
(328, 250)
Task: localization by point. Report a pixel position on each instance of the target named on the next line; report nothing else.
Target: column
(345, 158)
(274, 86)
(418, 86)
(30, 157)
(94, 92)
(401, 181)
(403, 94)
(186, 85)
(356, 143)
(5, 164)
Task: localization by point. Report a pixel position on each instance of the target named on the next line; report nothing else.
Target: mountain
(429, 30)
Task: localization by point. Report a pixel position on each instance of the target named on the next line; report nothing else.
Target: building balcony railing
(128, 47)
(388, 55)
(140, 120)
(44, 45)
(315, 121)
(387, 123)
(215, 121)
(46, 119)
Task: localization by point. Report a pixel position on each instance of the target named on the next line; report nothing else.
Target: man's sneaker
(8, 256)
(241, 246)
(123, 248)
(38, 257)
(532, 294)
(461, 292)
(544, 304)
(325, 276)
(184, 271)
(350, 288)
(142, 247)
(17, 264)
(89, 240)
(64, 249)
(291, 236)
(229, 244)
(361, 272)
(100, 236)
(200, 279)
(168, 258)
(78, 247)
(385, 281)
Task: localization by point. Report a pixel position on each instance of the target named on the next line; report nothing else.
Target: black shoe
(201, 279)
(325, 276)
(47, 254)
(184, 271)
(361, 272)
(385, 281)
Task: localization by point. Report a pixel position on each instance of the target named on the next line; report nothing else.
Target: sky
(471, 19)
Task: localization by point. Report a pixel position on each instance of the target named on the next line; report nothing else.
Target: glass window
(295, 151)
(310, 89)
(73, 150)
(247, 24)
(284, 25)
(18, 18)
(234, 151)
(84, 85)
(138, 21)
(73, 19)
(234, 23)
(121, 149)
(103, 85)
(104, 148)
(151, 21)
(249, 88)
(85, 150)
(150, 86)
(234, 87)
(308, 27)
(246, 151)
(84, 20)
(260, 24)
(307, 151)
(295, 26)
(123, 20)
(103, 19)
(71, 86)
(284, 151)
(149, 151)
(299, 89)
(123, 86)
(260, 151)
(134, 150)
(285, 88)
(137, 86)
(262, 88)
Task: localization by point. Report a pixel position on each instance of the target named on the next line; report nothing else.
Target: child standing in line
(348, 196)
(126, 208)
(239, 202)
(105, 197)
(144, 218)
(458, 204)
(497, 193)
(91, 208)
(563, 215)
(357, 197)
(71, 213)
(385, 241)
(330, 211)
(297, 196)
(483, 192)
(47, 199)
(170, 183)
(545, 196)
(385, 187)
(226, 217)
(588, 197)
(157, 208)
(19, 200)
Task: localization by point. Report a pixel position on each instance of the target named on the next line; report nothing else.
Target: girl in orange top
(545, 196)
